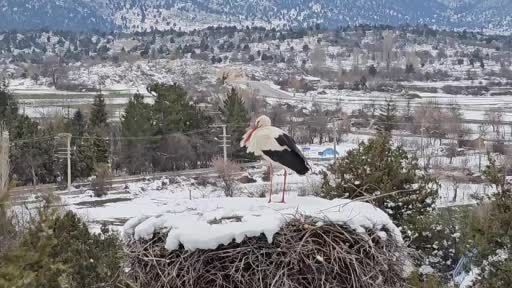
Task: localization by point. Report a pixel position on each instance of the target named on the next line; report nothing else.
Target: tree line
(171, 134)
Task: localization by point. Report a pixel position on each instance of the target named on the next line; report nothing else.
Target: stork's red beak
(248, 136)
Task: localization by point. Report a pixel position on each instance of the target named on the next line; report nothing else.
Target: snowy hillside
(143, 15)
(39, 14)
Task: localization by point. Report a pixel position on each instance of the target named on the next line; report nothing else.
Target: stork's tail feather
(303, 170)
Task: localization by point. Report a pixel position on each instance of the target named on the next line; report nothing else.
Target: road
(23, 193)
(264, 90)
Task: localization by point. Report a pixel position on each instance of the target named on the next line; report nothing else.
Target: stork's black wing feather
(287, 141)
(291, 157)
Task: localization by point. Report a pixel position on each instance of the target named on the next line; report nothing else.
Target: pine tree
(99, 116)
(173, 111)
(82, 156)
(455, 111)
(78, 126)
(101, 149)
(409, 69)
(137, 121)
(372, 71)
(52, 250)
(98, 129)
(83, 160)
(407, 117)
(379, 168)
(491, 228)
(386, 119)
(235, 115)
(33, 161)
(8, 105)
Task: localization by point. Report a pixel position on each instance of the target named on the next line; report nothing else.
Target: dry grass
(101, 184)
(227, 172)
(301, 255)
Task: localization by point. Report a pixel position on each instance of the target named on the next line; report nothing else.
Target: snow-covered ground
(473, 107)
(456, 194)
(181, 195)
(159, 196)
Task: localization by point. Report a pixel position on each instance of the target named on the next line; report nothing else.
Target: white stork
(275, 146)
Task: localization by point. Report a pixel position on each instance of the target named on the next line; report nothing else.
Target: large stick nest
(302, 254)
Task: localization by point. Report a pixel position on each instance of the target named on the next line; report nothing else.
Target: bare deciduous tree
(356, 57)
(295, 84)
(494, 118)
(227, 172)
(101, 184)
(54, 69)
(412, 59)
(451, 151)
(429, 120)
(252, 101)
(318, 124)
(318, 58)
(387, 48)
(278, 114)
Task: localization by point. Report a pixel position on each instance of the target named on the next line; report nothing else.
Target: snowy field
(473, 107)
(177, 194)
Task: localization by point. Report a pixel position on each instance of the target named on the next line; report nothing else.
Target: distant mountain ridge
(140, 15)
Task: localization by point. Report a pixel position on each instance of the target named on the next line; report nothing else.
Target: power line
(143, 137)
(31, 140)
(110, 138)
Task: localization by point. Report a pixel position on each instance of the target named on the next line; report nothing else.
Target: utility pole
(335, 140)
(224, 140)
(505, 167)
(422, 129)
(225, 143)
(67, 136)
(481, 145)
(69, 161)
(111, 158)
(335, 128)
(480, 149)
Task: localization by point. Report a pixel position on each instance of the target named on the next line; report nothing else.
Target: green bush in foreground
(59, 251)
(492, 230)
(497, 272)
(385, 175)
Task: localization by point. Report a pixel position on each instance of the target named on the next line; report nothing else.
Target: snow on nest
(208, 223)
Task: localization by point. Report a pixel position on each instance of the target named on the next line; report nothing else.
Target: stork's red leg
(271, 174)
(284, 184)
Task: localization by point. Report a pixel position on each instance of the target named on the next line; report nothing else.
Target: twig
(301, 255)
